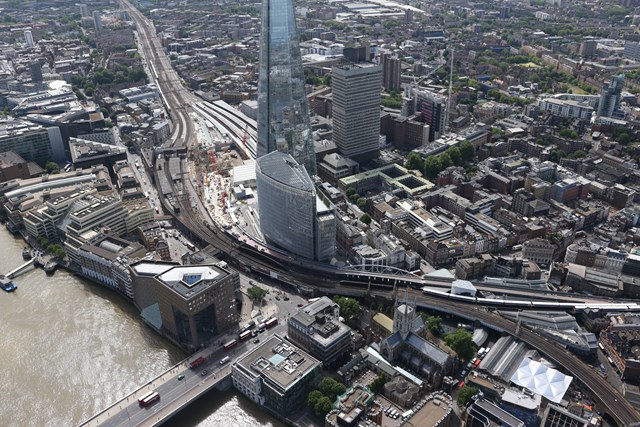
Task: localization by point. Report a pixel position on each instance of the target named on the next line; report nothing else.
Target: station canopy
(540, 379)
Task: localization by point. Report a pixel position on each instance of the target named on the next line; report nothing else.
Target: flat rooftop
(430, 413)
(186, 280)
(278, 362)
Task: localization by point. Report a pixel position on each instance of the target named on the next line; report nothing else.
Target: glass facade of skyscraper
(283, 113)
(292, 216)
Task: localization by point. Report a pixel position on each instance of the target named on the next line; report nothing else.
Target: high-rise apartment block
(97, 21)
(84, 10)
(28, 38)
(356, 110)
(588, 47)
(391, 71)
(283, 114)
(292, 216)
(36, 71)
(610, 98)
(433, 112)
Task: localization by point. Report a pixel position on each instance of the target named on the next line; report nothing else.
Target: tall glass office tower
(283, 113)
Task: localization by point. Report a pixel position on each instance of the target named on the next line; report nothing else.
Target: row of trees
(321, 399)
(433, 165)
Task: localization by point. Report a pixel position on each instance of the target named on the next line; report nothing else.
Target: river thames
(70, 348)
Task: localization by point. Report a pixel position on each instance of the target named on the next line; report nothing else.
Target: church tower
(404, 316)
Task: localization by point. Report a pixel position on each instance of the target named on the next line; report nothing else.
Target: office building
(609, 103)
(356, 110)
(190, 304)
(36, 71)
(555, 416)
(103, 259)
(28, 38)
(283, 114)
(86, 153)
(483, 413)
(12, 166)
(42, 221)
(32, 142)
(318, 329)
(292, 216)
(391, 71)
(97, 21)
(84, 10)
(276, 374)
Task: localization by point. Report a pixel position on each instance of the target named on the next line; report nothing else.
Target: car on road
(256, 341)
(299, 305)
(204, 373)
(277, 298)
(180, 377)
(286, 298)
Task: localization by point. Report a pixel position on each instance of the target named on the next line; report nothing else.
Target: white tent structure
(540, 379)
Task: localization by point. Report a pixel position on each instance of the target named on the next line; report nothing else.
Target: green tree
(568, 133)
(362, 203)
(52, 167)
(313, 398)
(349, 307)
(323, 407)
(467, 151)
(331, 388)
(350, 191)
(256, 293)
(432, 167)
(365, 219)
(466, 394)
(445, 161)
(414, 161)
(378, 383)
(577, 154)
(556, 155)
(434, 324)
(454, 154)
(460, 341)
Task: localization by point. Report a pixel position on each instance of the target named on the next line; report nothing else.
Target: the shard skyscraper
(283, 113)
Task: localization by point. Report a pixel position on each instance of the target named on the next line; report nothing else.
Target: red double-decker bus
(230, 345)
(199, 361)
(271, 322)
(149, 398)
(245, 335)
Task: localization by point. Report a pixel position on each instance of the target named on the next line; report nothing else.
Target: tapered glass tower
(283, 113)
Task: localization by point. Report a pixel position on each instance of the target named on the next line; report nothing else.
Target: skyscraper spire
(283, 113)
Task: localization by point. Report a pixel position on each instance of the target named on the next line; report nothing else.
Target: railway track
(308, 275)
